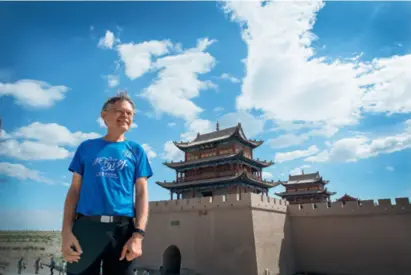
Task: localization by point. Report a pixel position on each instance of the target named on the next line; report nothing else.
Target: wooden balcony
(212, 175)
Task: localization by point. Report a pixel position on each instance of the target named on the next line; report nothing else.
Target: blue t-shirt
(109, 171)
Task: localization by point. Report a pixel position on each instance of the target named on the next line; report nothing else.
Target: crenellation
(402, 201)
(384, 202)
(265, 202)
(221, 201)
(367, 207)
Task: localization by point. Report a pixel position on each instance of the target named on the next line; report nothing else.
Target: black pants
(101, 242)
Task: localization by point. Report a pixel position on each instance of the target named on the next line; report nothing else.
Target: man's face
(119, 116)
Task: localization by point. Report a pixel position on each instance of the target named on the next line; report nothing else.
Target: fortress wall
(243, 200)
(366, 238)
(215, 235)
(273, 242)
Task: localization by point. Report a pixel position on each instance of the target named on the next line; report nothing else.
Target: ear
(103, 115)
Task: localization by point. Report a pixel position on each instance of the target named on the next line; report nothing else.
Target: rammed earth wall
(255, 235)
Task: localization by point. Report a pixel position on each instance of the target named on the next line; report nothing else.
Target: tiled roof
(213, 159)
(243, 177)
(307, 192)
(218, 135)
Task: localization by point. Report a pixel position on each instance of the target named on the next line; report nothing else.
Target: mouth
(123, 122)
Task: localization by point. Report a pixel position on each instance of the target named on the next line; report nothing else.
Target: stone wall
(254, 234)
(367, 238)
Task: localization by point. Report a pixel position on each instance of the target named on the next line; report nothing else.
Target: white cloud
(113, 80)
(22, 173)
(108, 40)
(391, 89)
(287, 140)
(52, 133)
(196, 126)
(29, 150)
(177, 81)
(3, 134)
(299, 170)
(101, 123)
(286, 81)
(252, 126)
(149, 151)
(218, 109)
(171, 152)
(42, 142)
(389, 168)
(171, 124)
(267, 175)
(33, 93)
(230, 78)
(297, 154)
(352, 149)
(137, 58)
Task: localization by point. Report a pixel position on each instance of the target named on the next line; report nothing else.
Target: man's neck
(114, 137)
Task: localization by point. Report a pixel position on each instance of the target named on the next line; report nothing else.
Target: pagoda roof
(304, 192)
(304, 179)
(219, 135)
(347, 197)
(209, 160)
(239, 177)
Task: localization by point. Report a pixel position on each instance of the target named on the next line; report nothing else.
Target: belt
(105, 219)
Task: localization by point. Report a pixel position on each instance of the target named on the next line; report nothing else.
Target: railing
(212, 175)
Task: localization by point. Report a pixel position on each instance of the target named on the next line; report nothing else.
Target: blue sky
(326, 85)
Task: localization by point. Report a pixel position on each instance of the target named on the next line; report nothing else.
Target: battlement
(366, 207)
(244, 200)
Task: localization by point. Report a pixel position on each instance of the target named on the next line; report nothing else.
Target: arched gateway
(171, 260)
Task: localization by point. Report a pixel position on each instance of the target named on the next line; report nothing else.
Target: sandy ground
(31, 272)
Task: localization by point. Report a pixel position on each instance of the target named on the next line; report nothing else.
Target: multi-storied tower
(216, 163)
(305, 188)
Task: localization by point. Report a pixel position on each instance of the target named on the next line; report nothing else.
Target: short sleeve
(143, 167)
(76, 164)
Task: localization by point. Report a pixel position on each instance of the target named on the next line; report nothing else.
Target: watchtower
(305, 188)
(218, 163)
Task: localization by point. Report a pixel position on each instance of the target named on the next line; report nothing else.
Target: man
(52, 265)
(37, 266)
(101, 221)
(21, 265)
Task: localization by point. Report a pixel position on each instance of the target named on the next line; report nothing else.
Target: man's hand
(68, 241)
(132, 249)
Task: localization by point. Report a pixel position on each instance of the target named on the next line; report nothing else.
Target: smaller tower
(305, 188)
(346, 198)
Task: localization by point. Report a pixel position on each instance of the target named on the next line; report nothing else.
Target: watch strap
(139, 231)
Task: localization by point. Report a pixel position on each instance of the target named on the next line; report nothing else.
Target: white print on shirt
(127, 154)
(109, 166)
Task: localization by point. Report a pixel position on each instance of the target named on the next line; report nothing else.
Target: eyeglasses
(126, 112)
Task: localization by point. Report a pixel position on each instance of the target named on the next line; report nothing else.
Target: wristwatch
(139, 231)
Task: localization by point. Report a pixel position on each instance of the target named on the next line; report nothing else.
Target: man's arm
(141, 203)
(70, 203)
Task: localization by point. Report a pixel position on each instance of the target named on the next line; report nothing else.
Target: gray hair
(121, 96)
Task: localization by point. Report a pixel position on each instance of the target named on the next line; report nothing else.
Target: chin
(124, 128)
